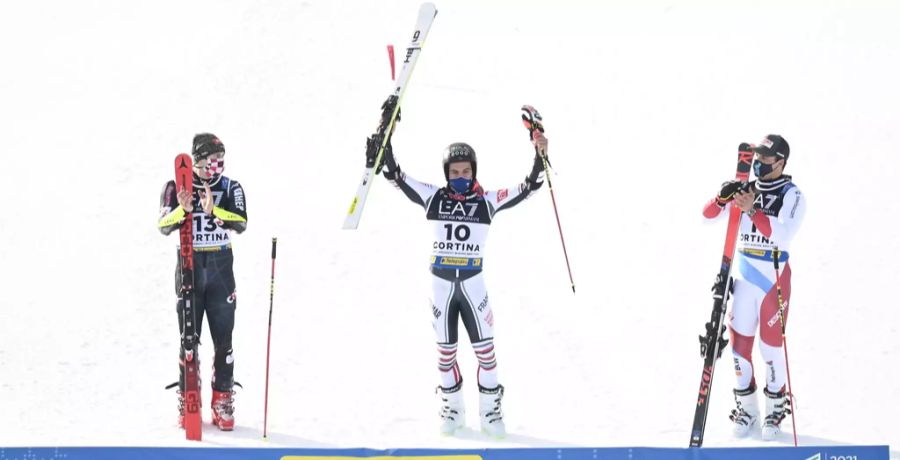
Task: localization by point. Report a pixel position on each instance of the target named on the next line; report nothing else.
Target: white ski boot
(746, 414)
(777, 407)
(490, 411)
(453, 411)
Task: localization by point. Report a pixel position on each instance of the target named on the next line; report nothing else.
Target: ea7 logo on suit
(770, 199)
(457, 208)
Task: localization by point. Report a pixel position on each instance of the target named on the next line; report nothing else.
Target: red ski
(712, 344)
(189, 336)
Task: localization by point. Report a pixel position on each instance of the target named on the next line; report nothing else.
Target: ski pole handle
(776, 254)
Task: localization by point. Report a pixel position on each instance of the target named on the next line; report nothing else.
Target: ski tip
(428, 6)
(744, 147)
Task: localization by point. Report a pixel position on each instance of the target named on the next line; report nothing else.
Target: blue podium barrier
(620, 453)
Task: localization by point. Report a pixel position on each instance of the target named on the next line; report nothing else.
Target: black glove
(388, 163)
(373, 143)
(729, 189)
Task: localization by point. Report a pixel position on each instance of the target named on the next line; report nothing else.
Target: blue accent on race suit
(752, 275)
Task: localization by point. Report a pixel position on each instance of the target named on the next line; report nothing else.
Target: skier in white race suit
(461, 213)
(773, 209)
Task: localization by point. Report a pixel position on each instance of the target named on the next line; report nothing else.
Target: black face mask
(761, 169)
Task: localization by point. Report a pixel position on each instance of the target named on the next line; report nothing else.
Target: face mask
(215, 166)
(460, 184)
(212, 168)
(761, 169)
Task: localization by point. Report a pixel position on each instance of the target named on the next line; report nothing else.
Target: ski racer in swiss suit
(773, 209)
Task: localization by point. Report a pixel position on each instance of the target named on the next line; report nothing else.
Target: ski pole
(776, 254)
(533, 121)
(269, 341)
(556, 213)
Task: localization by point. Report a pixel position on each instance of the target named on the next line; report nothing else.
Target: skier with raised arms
(461, 213)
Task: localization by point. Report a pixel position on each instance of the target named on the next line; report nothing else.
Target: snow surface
(644, 107)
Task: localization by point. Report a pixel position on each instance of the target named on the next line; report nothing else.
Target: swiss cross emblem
(502, 194)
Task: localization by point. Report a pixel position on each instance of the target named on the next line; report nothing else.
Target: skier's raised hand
(206, 199)
(540, 143)
(744, 200)
(185, 200)
(729, 189)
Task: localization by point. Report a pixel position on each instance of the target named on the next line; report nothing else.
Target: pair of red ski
(189, 334)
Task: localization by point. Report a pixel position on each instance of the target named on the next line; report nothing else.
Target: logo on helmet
(458, 151)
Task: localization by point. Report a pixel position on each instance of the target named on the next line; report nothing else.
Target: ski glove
(729, 189)
(532, 120)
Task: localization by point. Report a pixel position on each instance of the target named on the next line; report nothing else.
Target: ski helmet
(206, 144)
(773, 145)
(457, 152)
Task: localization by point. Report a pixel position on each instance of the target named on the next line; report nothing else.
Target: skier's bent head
(209, 156)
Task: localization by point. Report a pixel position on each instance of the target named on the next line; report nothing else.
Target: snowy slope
(644, 107)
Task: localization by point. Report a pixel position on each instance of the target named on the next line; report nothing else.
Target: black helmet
(457, 152)
(206, 144)
(773, 145)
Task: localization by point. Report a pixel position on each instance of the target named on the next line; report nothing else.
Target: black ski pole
(269, 342)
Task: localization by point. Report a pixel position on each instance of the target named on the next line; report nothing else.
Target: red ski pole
(534, 122)
(390, 50)
(776, 254)
(269, 342)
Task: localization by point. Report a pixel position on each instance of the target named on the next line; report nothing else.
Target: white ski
(427, 13)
